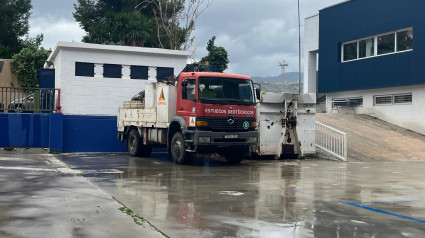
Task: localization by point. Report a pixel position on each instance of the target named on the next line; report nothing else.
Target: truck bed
(144, 117)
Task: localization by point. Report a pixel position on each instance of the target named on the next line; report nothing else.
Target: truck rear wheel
(135, 145)
(178, 149)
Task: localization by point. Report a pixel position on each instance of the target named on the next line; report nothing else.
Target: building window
(404, 98)
(382, 44)
(350, 51)
(163, 73)
(139, 72)
(356, 101)
(382, 100)
(367, 48)
(405, 40)
(112, 71)
(347, 102)
(84, 69)
(386, 44)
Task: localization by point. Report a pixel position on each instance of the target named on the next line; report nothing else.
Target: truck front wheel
(178, 149)
(234, 155)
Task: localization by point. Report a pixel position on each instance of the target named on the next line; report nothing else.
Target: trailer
(286, 125)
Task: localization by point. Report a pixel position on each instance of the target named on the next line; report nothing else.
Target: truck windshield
(226, 91)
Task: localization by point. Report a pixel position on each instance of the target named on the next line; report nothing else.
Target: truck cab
(215, 113)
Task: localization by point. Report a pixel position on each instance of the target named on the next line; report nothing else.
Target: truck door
(186, 107)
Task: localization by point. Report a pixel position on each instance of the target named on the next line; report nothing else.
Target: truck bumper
(209, 138)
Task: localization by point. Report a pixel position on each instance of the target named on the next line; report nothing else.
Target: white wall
(103, 96)
(410, 116)
(311, 48)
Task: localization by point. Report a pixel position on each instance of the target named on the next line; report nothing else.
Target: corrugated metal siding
(363, 18)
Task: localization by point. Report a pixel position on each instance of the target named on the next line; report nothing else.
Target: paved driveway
(297, 198)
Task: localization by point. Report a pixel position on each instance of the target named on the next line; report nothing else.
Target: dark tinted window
(112, 71)
(84, 69)
(139, 72)
(163, 73)
(405, 40)
(386, 44)
(350, 51)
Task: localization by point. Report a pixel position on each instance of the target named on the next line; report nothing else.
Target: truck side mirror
(258, 93)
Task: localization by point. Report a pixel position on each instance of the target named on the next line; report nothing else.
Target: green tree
(150, 23)
(14, 16)
(115, 22)
(28, 61)
(217, 55)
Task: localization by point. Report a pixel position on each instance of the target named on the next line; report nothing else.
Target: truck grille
(221, 124)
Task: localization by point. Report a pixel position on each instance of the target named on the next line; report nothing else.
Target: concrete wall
(103, 96)
(409, 115)
(311, 48)
(7, 79)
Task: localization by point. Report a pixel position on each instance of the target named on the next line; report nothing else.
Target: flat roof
(117, 48)
(336, 4)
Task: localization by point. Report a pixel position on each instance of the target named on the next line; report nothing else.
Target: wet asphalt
(258, 198)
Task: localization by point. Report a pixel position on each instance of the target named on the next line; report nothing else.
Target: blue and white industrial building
(370, 52)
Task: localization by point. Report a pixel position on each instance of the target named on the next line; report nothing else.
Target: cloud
(257, 34)
(55, 30)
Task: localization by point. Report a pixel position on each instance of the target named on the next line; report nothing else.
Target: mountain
(274, 83)
(289, 77)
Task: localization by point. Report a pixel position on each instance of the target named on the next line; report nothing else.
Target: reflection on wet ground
(297, 198)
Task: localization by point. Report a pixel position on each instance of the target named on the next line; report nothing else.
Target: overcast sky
(257, 34)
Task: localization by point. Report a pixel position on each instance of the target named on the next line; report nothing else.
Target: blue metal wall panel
(56, 132)
(46, 78)
(24, 130)
(362, 18)
(91, 134)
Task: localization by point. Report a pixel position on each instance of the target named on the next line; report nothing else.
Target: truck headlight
(204, 139)
(252, 139)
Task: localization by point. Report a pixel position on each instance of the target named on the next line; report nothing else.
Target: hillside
(274, 83)
(289, 76)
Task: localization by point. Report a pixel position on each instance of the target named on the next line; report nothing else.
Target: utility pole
(299, 49)
(282, 65)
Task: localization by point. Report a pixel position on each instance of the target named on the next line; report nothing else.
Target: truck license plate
(230, 136)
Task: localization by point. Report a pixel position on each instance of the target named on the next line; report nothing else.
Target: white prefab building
(96, 79)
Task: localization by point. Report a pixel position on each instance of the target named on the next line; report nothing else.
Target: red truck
(199, 112)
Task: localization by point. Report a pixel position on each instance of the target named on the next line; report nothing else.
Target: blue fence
(60, 133)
